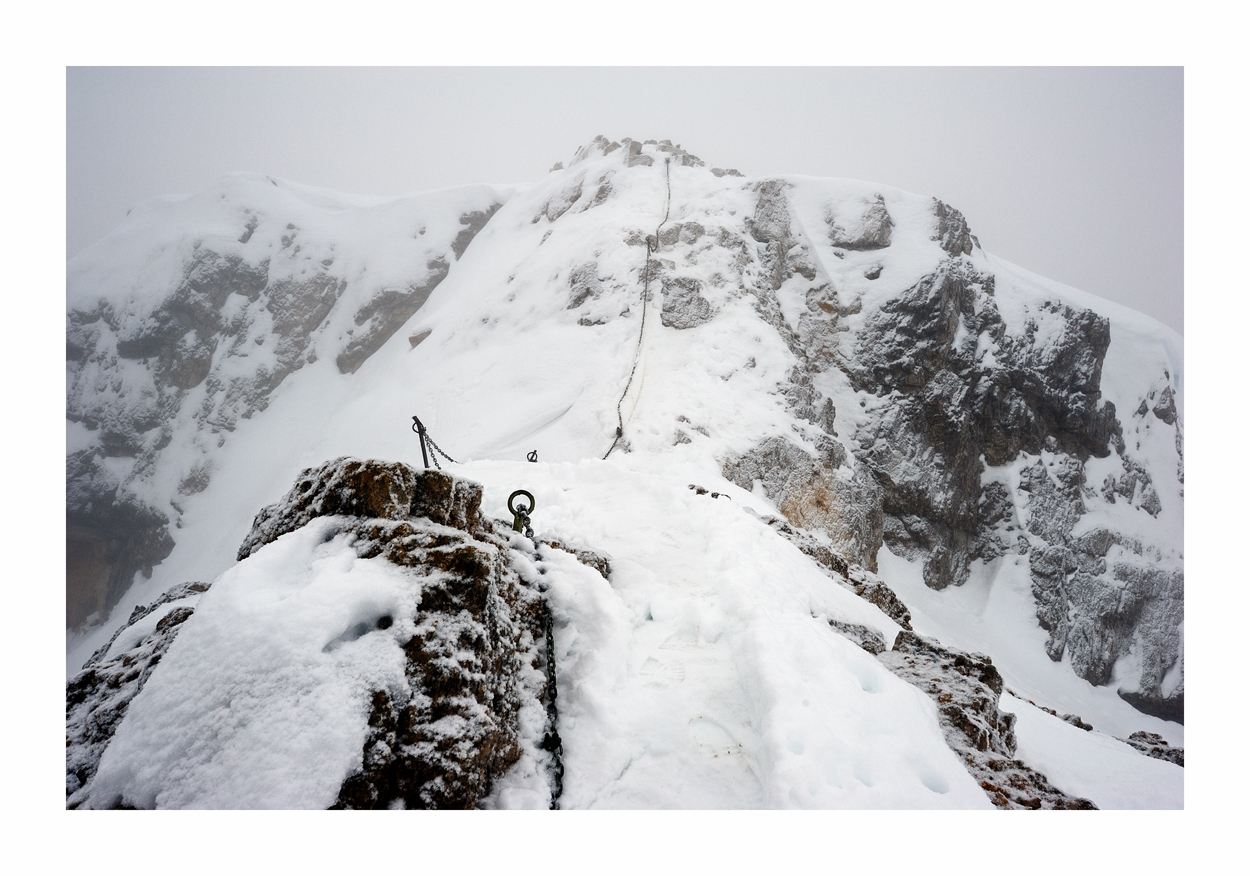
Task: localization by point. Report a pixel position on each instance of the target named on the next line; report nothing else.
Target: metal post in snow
(419, 428)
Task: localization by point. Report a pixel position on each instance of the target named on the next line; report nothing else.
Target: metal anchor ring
(527, 494)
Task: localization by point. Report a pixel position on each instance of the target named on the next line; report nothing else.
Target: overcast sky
(1074, 173)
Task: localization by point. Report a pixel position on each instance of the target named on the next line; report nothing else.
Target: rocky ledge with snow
(433, 660)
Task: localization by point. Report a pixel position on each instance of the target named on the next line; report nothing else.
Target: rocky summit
(811, 476)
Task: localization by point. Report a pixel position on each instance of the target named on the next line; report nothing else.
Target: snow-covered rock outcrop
(397, 660)
(888, 427)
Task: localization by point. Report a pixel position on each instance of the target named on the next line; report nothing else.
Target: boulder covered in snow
(375, 647)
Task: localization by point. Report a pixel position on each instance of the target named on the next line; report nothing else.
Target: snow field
(261, 701)
(705, 675)
(1090, 764)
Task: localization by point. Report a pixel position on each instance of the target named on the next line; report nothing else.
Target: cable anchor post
(419, 428)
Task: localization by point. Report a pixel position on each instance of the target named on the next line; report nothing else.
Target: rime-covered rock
(477, 651)
(96, 699)
(471, 698)
(869, 230)
(966, 688)
(1154, 745)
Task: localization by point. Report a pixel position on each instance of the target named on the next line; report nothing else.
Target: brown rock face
(1154, 745)
(812, 495)
(370, 489)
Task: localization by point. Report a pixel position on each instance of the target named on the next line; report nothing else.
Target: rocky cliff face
(972, 438)
(241, 291)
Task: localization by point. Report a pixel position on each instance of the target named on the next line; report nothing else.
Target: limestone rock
(368, 488)
(477, 657)
(966, 688)
(684, 305)
(870, 230)
(952, 233)
(812, 494)
(584, 284)
(868, 639)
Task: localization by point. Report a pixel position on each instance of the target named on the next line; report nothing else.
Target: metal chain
(423, 435)
(439, 450)
(551, 736)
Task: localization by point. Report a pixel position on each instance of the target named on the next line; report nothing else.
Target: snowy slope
(705, 673)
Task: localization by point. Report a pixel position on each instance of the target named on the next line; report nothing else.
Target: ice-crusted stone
(870, 230)
(770, 225)
(1165, 407)
(474, 663)
(584, 284)
(477, 658)
(1154, 745)
(1133, 485)
(953, 233)
(966, 689)
(684, 305)
(368, 488)
(865, 637)
(99, 695)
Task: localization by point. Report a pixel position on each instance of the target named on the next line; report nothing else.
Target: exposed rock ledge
(476, 663)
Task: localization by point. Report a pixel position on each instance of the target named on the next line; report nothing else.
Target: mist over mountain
(830, 506)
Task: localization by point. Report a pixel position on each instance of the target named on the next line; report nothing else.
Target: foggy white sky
(1074, 173)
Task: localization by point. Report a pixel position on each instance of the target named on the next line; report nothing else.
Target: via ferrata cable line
(653, 245)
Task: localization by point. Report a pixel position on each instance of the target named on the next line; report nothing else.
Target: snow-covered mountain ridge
(1003, 453)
